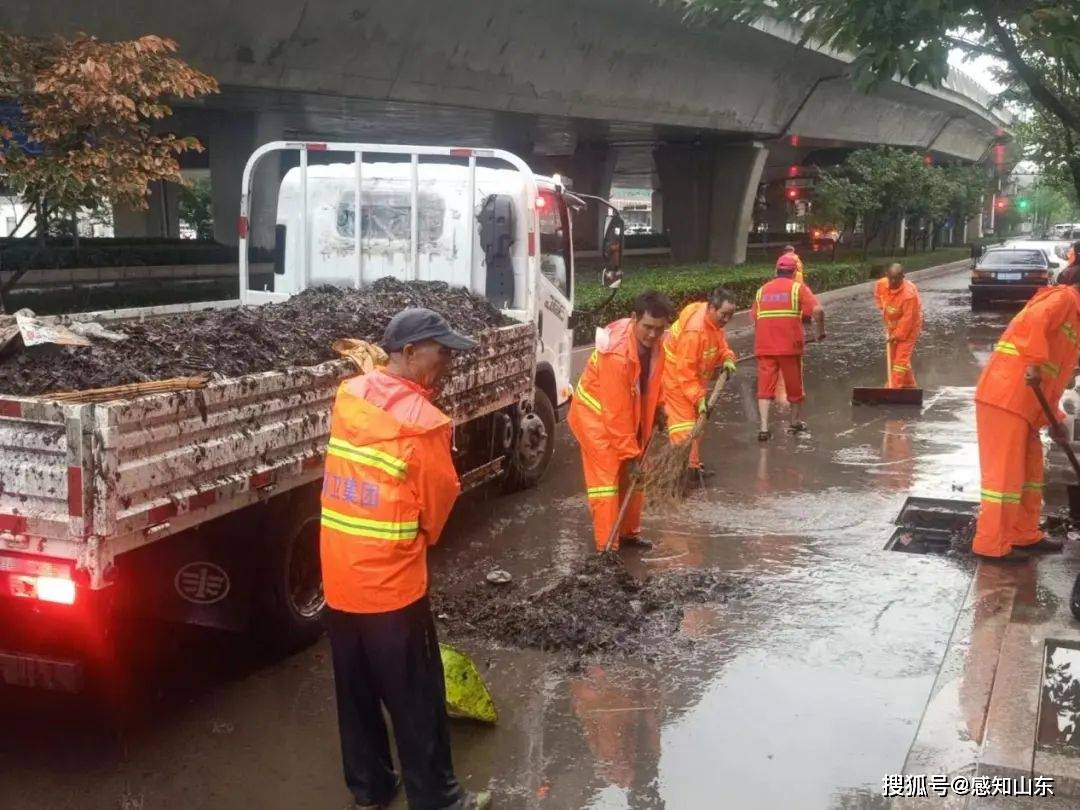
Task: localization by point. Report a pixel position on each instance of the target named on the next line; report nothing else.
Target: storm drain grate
(1059, 703)
(932, 526)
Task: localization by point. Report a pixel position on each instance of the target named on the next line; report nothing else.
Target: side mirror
(612, 250)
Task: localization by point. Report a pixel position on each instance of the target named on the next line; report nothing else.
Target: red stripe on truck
(9, 408)
(159, 514)
(262, 479)
(16, 524)
(75, 493)
(202, 499)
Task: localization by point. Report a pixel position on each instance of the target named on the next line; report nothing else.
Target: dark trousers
(393, 658)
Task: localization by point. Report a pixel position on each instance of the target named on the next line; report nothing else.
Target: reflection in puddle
(1059, 708)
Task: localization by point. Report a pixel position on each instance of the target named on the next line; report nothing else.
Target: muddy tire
(534, 444)
(978, 302)
(289, 603)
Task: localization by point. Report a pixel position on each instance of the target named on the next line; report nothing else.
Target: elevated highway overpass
(595, 89)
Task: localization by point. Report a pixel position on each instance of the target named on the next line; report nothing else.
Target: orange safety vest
(780, 307)
(388, 489)
(1045, 333)
(798, 275)
(609, 413)
(693, 349)
(902, 311)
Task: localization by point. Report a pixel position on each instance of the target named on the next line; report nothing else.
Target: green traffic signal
(1022, 204)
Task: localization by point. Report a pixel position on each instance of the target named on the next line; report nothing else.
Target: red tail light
(42, 578)
(1037, 275)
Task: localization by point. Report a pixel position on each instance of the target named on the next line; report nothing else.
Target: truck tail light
(979, 276)
(1037, 275)
(42, 578)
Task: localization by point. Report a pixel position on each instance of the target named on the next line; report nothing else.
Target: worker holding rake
(693, 351)
(613, 413)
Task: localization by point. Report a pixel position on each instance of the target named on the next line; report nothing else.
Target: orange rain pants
(1011, 465)
(898, 359)
(605, 493)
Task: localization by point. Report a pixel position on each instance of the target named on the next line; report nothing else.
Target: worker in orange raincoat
(693, 350)
(388, 489)
(901, 309)
(789, 252)
(613, 413)
(1039, 348)
(780, 307)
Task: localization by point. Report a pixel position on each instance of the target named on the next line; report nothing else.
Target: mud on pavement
(239, 340)
(598, 607)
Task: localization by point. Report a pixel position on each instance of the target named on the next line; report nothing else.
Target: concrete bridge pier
(709, 192)
(589, 170)
(231, 139)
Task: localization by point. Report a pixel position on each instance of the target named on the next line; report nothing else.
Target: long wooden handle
(1039, 395)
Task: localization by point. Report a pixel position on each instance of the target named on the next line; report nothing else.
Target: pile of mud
(598, 607)
(240, 340)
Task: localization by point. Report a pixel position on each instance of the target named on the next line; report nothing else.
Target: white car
(1057, 252)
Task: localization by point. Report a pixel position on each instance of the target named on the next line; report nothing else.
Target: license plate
(1010, 276)
(37, 672)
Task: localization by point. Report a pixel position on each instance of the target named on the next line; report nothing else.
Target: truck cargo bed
(88, 482)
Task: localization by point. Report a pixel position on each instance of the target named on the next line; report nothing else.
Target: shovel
(887, 396)
(1073, 489)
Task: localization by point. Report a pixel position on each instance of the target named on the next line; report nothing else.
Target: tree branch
(974, 47)
(1039, 91)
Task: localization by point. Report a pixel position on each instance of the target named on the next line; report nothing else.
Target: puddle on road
(1059, 704)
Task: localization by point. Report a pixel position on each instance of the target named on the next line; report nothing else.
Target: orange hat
(786, 264)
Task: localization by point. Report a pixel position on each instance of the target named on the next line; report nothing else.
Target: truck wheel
(531, 454)
(290, 601)
(978, 302)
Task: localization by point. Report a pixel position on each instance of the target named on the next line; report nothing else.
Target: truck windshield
(554, 241)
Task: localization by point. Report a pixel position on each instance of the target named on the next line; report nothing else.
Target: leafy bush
(691, 282)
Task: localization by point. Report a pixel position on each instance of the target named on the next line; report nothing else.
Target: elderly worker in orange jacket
(613, 413)
(388, 489)
(790, 254)
(693, 350)
(1039, 348)
(900, 305)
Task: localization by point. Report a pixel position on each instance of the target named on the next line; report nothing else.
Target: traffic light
(1022, 204)
(793, 170)
(1001, 203)
(793, 193)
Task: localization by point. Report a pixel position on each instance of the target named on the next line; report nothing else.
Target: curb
(741, 323)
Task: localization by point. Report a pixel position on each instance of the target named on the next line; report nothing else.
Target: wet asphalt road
(803, 695)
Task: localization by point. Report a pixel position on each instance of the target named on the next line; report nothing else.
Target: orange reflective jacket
(609, 412)
(693, 350)
(388, 489)
(1045, 333)
(902, 311)
(780, 307)
(799, 274)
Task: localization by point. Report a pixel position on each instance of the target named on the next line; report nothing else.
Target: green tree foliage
(880, 186)
(196, 208)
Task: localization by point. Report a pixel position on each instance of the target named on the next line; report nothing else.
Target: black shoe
(1048, 545)
(764, 435)
(381, 805)
(635, 540)
(797, 427)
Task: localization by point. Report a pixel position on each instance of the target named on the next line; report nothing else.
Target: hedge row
(691, 282)
(23, 254)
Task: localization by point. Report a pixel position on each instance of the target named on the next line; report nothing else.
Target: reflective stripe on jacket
(780, 307)
(388, 489)
(1045, 333)
(693, 349)
(609, 414)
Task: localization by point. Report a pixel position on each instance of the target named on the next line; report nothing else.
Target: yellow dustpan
(467, 695)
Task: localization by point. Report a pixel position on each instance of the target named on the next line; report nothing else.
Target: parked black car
(1008, 274)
